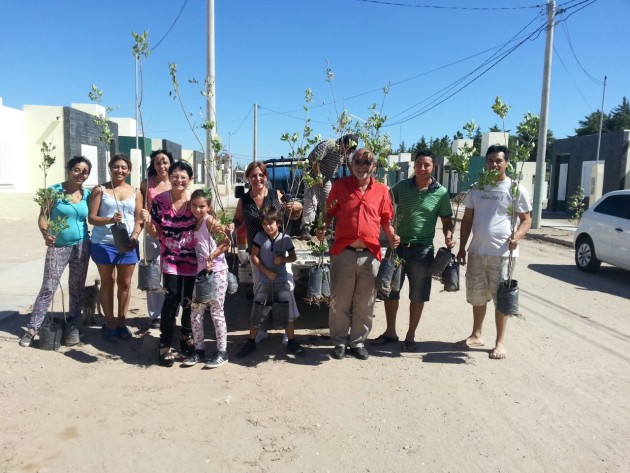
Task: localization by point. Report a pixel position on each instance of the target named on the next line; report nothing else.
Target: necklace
(182, 211)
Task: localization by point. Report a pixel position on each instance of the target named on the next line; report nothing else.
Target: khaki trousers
(353, 293)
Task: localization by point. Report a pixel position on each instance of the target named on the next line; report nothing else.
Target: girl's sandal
(27, 339)
(166, 358)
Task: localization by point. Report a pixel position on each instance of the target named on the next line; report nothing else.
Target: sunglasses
(362, 162)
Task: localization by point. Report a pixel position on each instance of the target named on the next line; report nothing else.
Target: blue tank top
(101, 234)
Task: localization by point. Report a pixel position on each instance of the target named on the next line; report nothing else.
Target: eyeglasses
(362, 162)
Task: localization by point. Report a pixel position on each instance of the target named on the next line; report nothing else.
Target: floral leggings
(77, 257)
(216, 312)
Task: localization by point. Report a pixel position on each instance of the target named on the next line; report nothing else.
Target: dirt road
(558, 403)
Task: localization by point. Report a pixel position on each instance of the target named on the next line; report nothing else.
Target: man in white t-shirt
(489, 216)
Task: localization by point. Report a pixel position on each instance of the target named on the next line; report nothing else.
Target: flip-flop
(463, 344)
(409, 346)
(384, 340)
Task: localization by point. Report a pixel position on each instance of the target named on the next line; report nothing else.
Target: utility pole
(211, 111)
(601, 122)
(541, 168)
(255, 131)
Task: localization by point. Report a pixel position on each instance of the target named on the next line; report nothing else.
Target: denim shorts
(108, 254)
(418, 259)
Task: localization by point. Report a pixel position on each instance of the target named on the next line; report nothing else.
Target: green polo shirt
(417, 210)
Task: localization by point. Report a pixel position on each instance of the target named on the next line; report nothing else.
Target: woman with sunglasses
(68, 247)
(249, 210)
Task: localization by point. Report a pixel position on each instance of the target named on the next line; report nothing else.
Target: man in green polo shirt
(419, 201)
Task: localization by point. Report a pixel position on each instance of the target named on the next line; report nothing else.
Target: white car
(604, 233)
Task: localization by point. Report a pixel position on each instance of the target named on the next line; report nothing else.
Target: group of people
(183, 233)
(366, 206)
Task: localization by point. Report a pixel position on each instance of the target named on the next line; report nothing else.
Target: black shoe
(193, 359)
(219, 358)
(247, 349)
(360, 352)
(294, 347)
(339, 352)
(155, 323)
(306, 235)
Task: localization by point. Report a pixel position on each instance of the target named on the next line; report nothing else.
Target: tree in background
(618, 119)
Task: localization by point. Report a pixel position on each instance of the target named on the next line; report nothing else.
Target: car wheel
(585, 258)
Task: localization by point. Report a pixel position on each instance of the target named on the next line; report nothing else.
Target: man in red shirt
(361, 206)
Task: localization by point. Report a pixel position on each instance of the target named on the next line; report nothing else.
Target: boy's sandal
(27, 339)
(166, 359)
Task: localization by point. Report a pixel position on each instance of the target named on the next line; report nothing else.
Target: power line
(566, 33)
(493, 60)
(571, 77)
(169, 30)
(242, 121)
(443, 7)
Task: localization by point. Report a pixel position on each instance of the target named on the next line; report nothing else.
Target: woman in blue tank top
(111, 203)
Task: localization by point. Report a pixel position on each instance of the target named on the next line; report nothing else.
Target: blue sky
(269, 51)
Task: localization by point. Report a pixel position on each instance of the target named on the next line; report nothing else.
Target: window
(615, 205)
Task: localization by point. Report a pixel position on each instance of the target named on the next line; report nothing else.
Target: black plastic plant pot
(507, 297)
(121, 237)
(441, 260)
(314, 288)
(450, 277)
(50, 334)
(205, 287)
(397, 278)
(280, 315)
(384, 276)
(149, 276)
(325, 281)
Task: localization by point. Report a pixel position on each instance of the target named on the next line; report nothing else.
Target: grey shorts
(418, 259)
(483, 275)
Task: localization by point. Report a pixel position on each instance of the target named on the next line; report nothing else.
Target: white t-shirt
(492, 223)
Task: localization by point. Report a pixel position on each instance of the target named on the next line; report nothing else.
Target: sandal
(384, 340)
(166, 358)
(123, 332)
(110, 334)
(27, 339)
(409, 346)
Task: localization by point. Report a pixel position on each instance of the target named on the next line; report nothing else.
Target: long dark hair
(151, 169)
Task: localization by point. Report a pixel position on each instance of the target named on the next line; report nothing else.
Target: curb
(550, 239)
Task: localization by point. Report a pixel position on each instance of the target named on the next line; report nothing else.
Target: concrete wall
(577, 150)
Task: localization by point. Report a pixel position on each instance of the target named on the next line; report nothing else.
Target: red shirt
(359, 215)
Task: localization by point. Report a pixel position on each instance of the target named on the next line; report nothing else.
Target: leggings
(77, 257)
(179, 289)
(216, 312)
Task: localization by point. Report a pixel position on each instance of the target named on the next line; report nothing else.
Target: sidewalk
(23, 254)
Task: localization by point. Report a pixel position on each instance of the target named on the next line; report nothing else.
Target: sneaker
(194, 358)
(295, 348)
(285, 339)
(27, 339)
(339, 352)
(247, 349)
(360, 352)
(261, 335)
(219, 358)
(155, 323)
